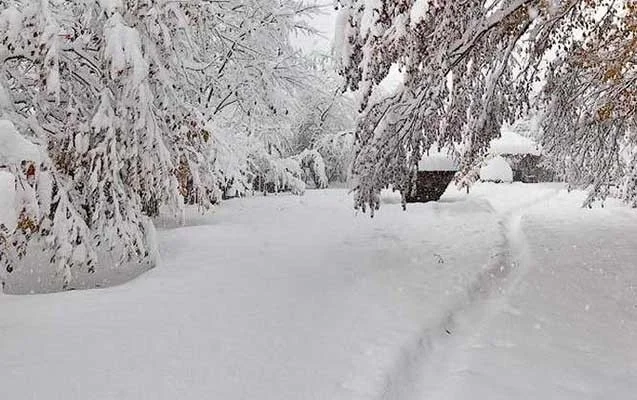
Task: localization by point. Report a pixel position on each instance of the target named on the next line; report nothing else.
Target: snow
(391, 84)
(437, 161)
(566, 322)
(342, 48)
(281, 297)
(8, 215)
(111, 6)
(10, 22)
(419, 11)
(124, 48)
(514, 143)
(370, 15)
(14, 148)
(496, 169)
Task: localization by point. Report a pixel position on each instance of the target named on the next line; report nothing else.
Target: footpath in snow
(565, 324)
(511, 292)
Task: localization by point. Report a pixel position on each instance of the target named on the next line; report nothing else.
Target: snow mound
(418, 11)
(436, 161)
(14, 148)
(514, 143)
(496, 169)
(8, 216)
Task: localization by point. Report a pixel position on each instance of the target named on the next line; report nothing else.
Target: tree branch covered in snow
(457, 67)
(590, 104)
(468, 67)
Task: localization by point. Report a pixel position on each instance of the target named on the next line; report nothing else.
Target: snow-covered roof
(14, 148)
(496, 169)
(514, 143)
(437, 161)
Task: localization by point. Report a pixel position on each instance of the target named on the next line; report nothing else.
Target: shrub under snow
(496, 169)
(312, 161)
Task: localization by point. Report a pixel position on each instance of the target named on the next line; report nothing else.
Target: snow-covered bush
(273, 174)
(290, 174)
(496, 169)
(311, 162)
(337, 150)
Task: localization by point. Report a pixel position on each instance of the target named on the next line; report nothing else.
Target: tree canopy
(467, 67)
(136, 106)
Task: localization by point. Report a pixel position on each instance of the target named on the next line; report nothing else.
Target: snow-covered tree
(590, 102)
(337, 150)
(456, 61)
(467, 67)
(323, 108)
(99, 86)
(140, 104)
(252, 79)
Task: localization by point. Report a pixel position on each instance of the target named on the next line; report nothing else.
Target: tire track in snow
(425, 366)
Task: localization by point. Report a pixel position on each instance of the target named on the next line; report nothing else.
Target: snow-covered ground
(511, 292)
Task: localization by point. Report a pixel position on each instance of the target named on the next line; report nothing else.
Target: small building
(523, 155)
(435, 172)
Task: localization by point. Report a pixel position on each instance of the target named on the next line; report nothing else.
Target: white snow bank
(8, 215)
(14, 148)
(277, 297)
(286, 298)
(514, 143)
(565, 326)
(496, 169)
(437, 161)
